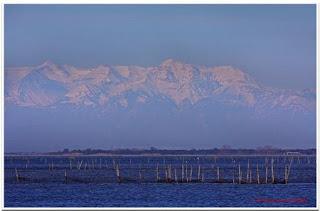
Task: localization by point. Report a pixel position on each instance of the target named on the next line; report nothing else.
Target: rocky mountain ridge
(49, 85)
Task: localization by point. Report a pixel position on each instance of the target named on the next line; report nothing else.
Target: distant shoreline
(166, 152)
(146, 155)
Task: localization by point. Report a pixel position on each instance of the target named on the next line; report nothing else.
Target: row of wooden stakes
(171, 174)
(94, 164)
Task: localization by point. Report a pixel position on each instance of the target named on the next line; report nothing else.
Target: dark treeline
(215, 151)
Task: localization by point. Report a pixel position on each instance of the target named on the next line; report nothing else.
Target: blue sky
(274, 43)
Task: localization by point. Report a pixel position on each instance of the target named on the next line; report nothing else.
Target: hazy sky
(275, 44)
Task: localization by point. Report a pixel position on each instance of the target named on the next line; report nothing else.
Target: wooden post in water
(65, 175)
(186, 173)
(266, 180)
(233, 177)
(233, 172)
(199, 172)
(218, 174)
(157, 173)
(285, 175)
(250, 176)
(248, 169)
(239, 174)
(182, 172)
(118, 173)
(266, 170)
(258, 177)
(70, 164)
(175, 175)
(287, 172)
(166, 174)
(17, 174)
(272, 171)
(190, 176)
(79, 167)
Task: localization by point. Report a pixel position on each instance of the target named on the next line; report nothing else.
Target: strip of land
(266, 151)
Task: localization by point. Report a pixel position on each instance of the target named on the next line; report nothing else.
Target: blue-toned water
(95, 183)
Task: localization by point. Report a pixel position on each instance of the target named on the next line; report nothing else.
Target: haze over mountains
(48, 85)
(173, 104)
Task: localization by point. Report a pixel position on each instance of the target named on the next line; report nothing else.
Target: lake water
(93, 182)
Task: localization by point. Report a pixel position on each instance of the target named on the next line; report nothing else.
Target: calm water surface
(97, 187)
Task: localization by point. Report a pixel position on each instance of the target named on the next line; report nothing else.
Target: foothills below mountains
(179, 84)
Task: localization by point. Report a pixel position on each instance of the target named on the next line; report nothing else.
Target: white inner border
(149, 2)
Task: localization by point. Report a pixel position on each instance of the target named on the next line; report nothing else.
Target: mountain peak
(47, 63)
(170, 61)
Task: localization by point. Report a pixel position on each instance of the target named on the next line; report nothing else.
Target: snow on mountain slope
(49, 85)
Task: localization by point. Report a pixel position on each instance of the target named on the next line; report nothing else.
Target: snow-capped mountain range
(49, 85)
